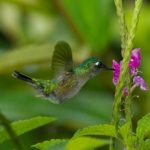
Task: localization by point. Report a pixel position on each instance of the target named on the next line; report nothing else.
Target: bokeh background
(29, 29)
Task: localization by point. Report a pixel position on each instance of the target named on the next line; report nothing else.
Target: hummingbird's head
(94, 66)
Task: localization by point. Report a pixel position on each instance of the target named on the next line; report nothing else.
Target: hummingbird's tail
(21, 76)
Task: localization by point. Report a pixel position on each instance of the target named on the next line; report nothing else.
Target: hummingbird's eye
(98, 64)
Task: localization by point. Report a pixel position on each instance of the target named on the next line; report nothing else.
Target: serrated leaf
(86, 143)
(22, 126)
(143, 127)
(104, 129)
(53, 144)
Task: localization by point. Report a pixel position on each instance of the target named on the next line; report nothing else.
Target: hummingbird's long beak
(108, 68)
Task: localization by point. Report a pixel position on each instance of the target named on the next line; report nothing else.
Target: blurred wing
(62, 59)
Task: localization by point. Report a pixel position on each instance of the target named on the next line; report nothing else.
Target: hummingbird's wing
(62, 59)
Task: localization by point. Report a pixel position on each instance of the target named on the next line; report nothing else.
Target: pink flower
(133, 65)
(116, 72)
(135, 61)
(139, 81)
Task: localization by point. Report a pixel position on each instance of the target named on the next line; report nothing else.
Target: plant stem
(128, 102)
(127, 39)
(5, 122)
(123, 33)
(123, 27)
(125, 62)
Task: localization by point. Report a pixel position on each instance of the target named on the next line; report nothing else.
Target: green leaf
(145, 145)
(128, 137)
(143, 127)
(104, 129)
(92, 20)
(74, 144)
(53, 144)
(25, 56)
(22, 126)
(86, 143)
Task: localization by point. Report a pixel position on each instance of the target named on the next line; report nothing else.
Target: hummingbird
(68, 78)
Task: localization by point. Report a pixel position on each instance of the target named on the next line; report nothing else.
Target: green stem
(127, 39)
(128, 102)
(124, 67)
(124, 33)
(128, 116)
(123, 26)
(5, 122)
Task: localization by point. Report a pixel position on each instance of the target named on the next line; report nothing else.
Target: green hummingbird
(67, 79)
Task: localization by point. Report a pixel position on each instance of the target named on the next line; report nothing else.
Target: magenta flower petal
(139, 81)
(116, 72)
(135, 58)
(135, 61)
(134, 64)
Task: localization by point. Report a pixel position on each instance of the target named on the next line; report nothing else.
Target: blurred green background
(29, 29)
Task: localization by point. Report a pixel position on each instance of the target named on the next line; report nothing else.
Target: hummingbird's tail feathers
(45, 88)
(21, 76)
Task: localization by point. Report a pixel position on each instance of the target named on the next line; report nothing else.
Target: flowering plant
(134, 64)
(126, 77)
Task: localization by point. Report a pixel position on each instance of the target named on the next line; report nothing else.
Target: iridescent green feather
(47, 85)
(84, 67)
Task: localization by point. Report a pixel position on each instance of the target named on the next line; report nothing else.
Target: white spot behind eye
(97, 63)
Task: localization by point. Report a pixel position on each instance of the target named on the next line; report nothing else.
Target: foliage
(52, 144)
(88, 23)
(81, 141)
(105, 129)
(23, 126)
(89, 18)
(143, 127)
(74, 144)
